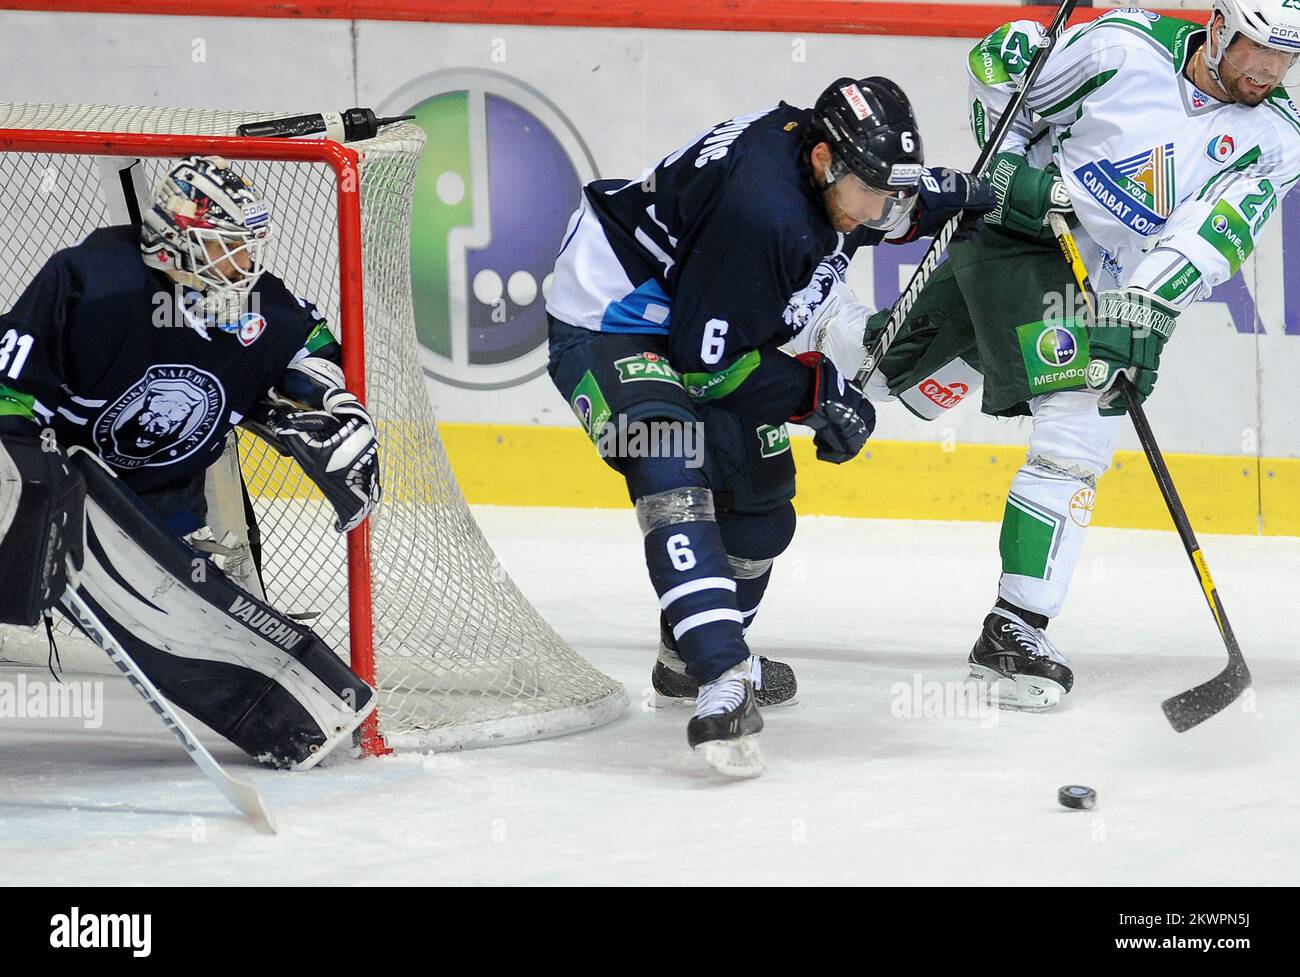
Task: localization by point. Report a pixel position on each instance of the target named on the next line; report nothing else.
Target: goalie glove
(336, 447)
(309, 380)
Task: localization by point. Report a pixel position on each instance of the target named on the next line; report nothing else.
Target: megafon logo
(502, 172)
(1056, 347)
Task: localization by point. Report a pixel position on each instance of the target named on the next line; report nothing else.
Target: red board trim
(778, 16)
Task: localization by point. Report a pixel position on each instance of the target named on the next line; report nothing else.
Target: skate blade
(1025, 693)
(734, 758)
(662, 701)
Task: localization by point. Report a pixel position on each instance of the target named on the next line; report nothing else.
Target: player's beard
(837, 215)
(1230, 81)
(1238, 84)
(1243, 92)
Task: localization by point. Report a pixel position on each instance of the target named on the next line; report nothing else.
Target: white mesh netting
(462, 658)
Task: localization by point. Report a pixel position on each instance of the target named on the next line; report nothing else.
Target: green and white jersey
(1172, 188)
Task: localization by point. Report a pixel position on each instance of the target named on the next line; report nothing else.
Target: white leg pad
(1054, 492)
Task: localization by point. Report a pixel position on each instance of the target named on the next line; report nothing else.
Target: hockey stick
(1195, 705)
(243, 796)
(941, 240)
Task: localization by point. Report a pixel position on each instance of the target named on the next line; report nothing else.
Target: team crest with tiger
(163, 418)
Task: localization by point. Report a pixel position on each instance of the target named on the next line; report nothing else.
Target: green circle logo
(1056, 346)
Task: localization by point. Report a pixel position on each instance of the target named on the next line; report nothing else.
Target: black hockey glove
(840, 415)
(945, 193)
(336, 446)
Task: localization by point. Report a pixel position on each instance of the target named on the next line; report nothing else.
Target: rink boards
(580, 102)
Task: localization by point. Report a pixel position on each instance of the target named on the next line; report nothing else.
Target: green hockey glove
(1026, 195)
(1132, 328)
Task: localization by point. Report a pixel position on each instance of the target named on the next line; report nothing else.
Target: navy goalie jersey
(99, 348)
(723, 247)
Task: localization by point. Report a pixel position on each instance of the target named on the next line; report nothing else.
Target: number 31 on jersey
(14, 350)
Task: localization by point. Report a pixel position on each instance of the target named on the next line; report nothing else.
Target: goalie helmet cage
(415, 594)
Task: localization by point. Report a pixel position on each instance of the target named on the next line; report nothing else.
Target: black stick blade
(1193, 707)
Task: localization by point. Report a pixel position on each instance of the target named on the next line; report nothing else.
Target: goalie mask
(208, 229)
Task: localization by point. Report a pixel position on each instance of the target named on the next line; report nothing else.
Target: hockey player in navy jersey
(123, 366)
(672, 297)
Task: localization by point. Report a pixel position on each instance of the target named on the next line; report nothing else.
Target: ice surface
(857, 789)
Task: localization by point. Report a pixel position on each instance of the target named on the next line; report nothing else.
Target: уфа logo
(1138, 191)
(502, 173)
(1056, 346)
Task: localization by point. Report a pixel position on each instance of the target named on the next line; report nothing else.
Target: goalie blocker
(263, 681)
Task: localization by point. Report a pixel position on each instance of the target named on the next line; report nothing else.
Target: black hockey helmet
(872, 132)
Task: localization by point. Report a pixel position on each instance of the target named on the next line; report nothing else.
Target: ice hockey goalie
(124, 366)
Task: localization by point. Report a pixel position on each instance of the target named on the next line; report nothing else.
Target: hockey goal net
(415, 596)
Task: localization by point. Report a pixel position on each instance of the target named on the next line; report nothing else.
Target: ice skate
(1018, 663)
(774, 682)
(725, 726)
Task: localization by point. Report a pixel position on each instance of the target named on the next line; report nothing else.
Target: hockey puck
(1078, 797)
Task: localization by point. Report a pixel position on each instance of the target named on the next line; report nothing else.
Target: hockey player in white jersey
(1168, 146)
